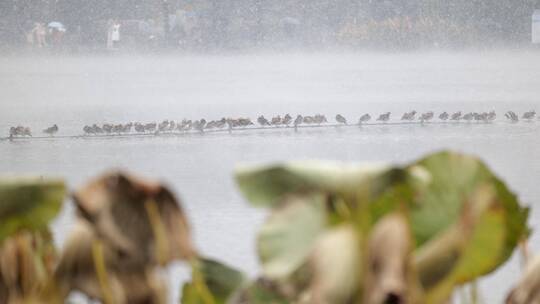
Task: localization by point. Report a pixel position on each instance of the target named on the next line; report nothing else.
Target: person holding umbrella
(57, 31)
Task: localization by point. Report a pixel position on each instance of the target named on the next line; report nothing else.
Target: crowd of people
(42, 35)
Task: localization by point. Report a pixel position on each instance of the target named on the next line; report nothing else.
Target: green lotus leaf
(29, 203)
(458, 195)
(464, 220)
(266, 185)
(288, 235)
(444, 182)
(213, 282)
(476, 246)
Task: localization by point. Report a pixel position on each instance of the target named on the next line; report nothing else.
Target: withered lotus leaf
(26, 260)
(140, 219)
(78, 269)
(126, 228)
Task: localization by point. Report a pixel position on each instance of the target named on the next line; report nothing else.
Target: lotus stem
(525, 253)
(474, 292)
(199, 283)
(159, 231)
(101, 272)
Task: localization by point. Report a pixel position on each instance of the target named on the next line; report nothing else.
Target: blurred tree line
(401, 23)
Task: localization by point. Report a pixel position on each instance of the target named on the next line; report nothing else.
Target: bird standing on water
(51, 130)
(512, 116)
(263, 121)
(319, 119)
(425, 117)
(443, 116)
(384, 117)
(287, 119)
(298, 121)
(409, 116)
(19, 131)
(491, 116)
(199, 125)
(456, 116)
(468, 116)
(529, 115)
(308, 120)
(276, 120)
(341, 119)
(364, 118)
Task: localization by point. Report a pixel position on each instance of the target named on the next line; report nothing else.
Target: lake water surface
(74, 91)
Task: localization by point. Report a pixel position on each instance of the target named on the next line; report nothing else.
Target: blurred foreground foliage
(336, 233)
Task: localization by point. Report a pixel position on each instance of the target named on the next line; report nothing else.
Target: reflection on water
(73, 92)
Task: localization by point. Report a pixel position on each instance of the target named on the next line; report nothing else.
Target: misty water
(75, 91)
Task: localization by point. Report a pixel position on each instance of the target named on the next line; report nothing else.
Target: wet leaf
(219, 282)
(464, 220)
(262, 291)
(336, 263)
(267, 185)
(287, 237)
(474, 246)
(440, 191)
(28, 203)
(443, 182)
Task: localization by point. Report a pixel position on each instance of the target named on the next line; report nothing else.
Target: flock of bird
(201, 125)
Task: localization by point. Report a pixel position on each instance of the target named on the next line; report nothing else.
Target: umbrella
(57, 25)
(289, 21)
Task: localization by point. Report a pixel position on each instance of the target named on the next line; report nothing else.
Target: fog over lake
(73, 91)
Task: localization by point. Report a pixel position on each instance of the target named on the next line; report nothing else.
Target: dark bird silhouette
(456, 116)
(263, 121)
(341, 119)
(444, 116)
(492, 116)
(384, 117)
(512, 116)
(364, 118)
(529, 115)
(51, 130)
(409, 116)
(468, 116)
(298, 121)
(199, 125)
(287, 119)
(426, 116)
